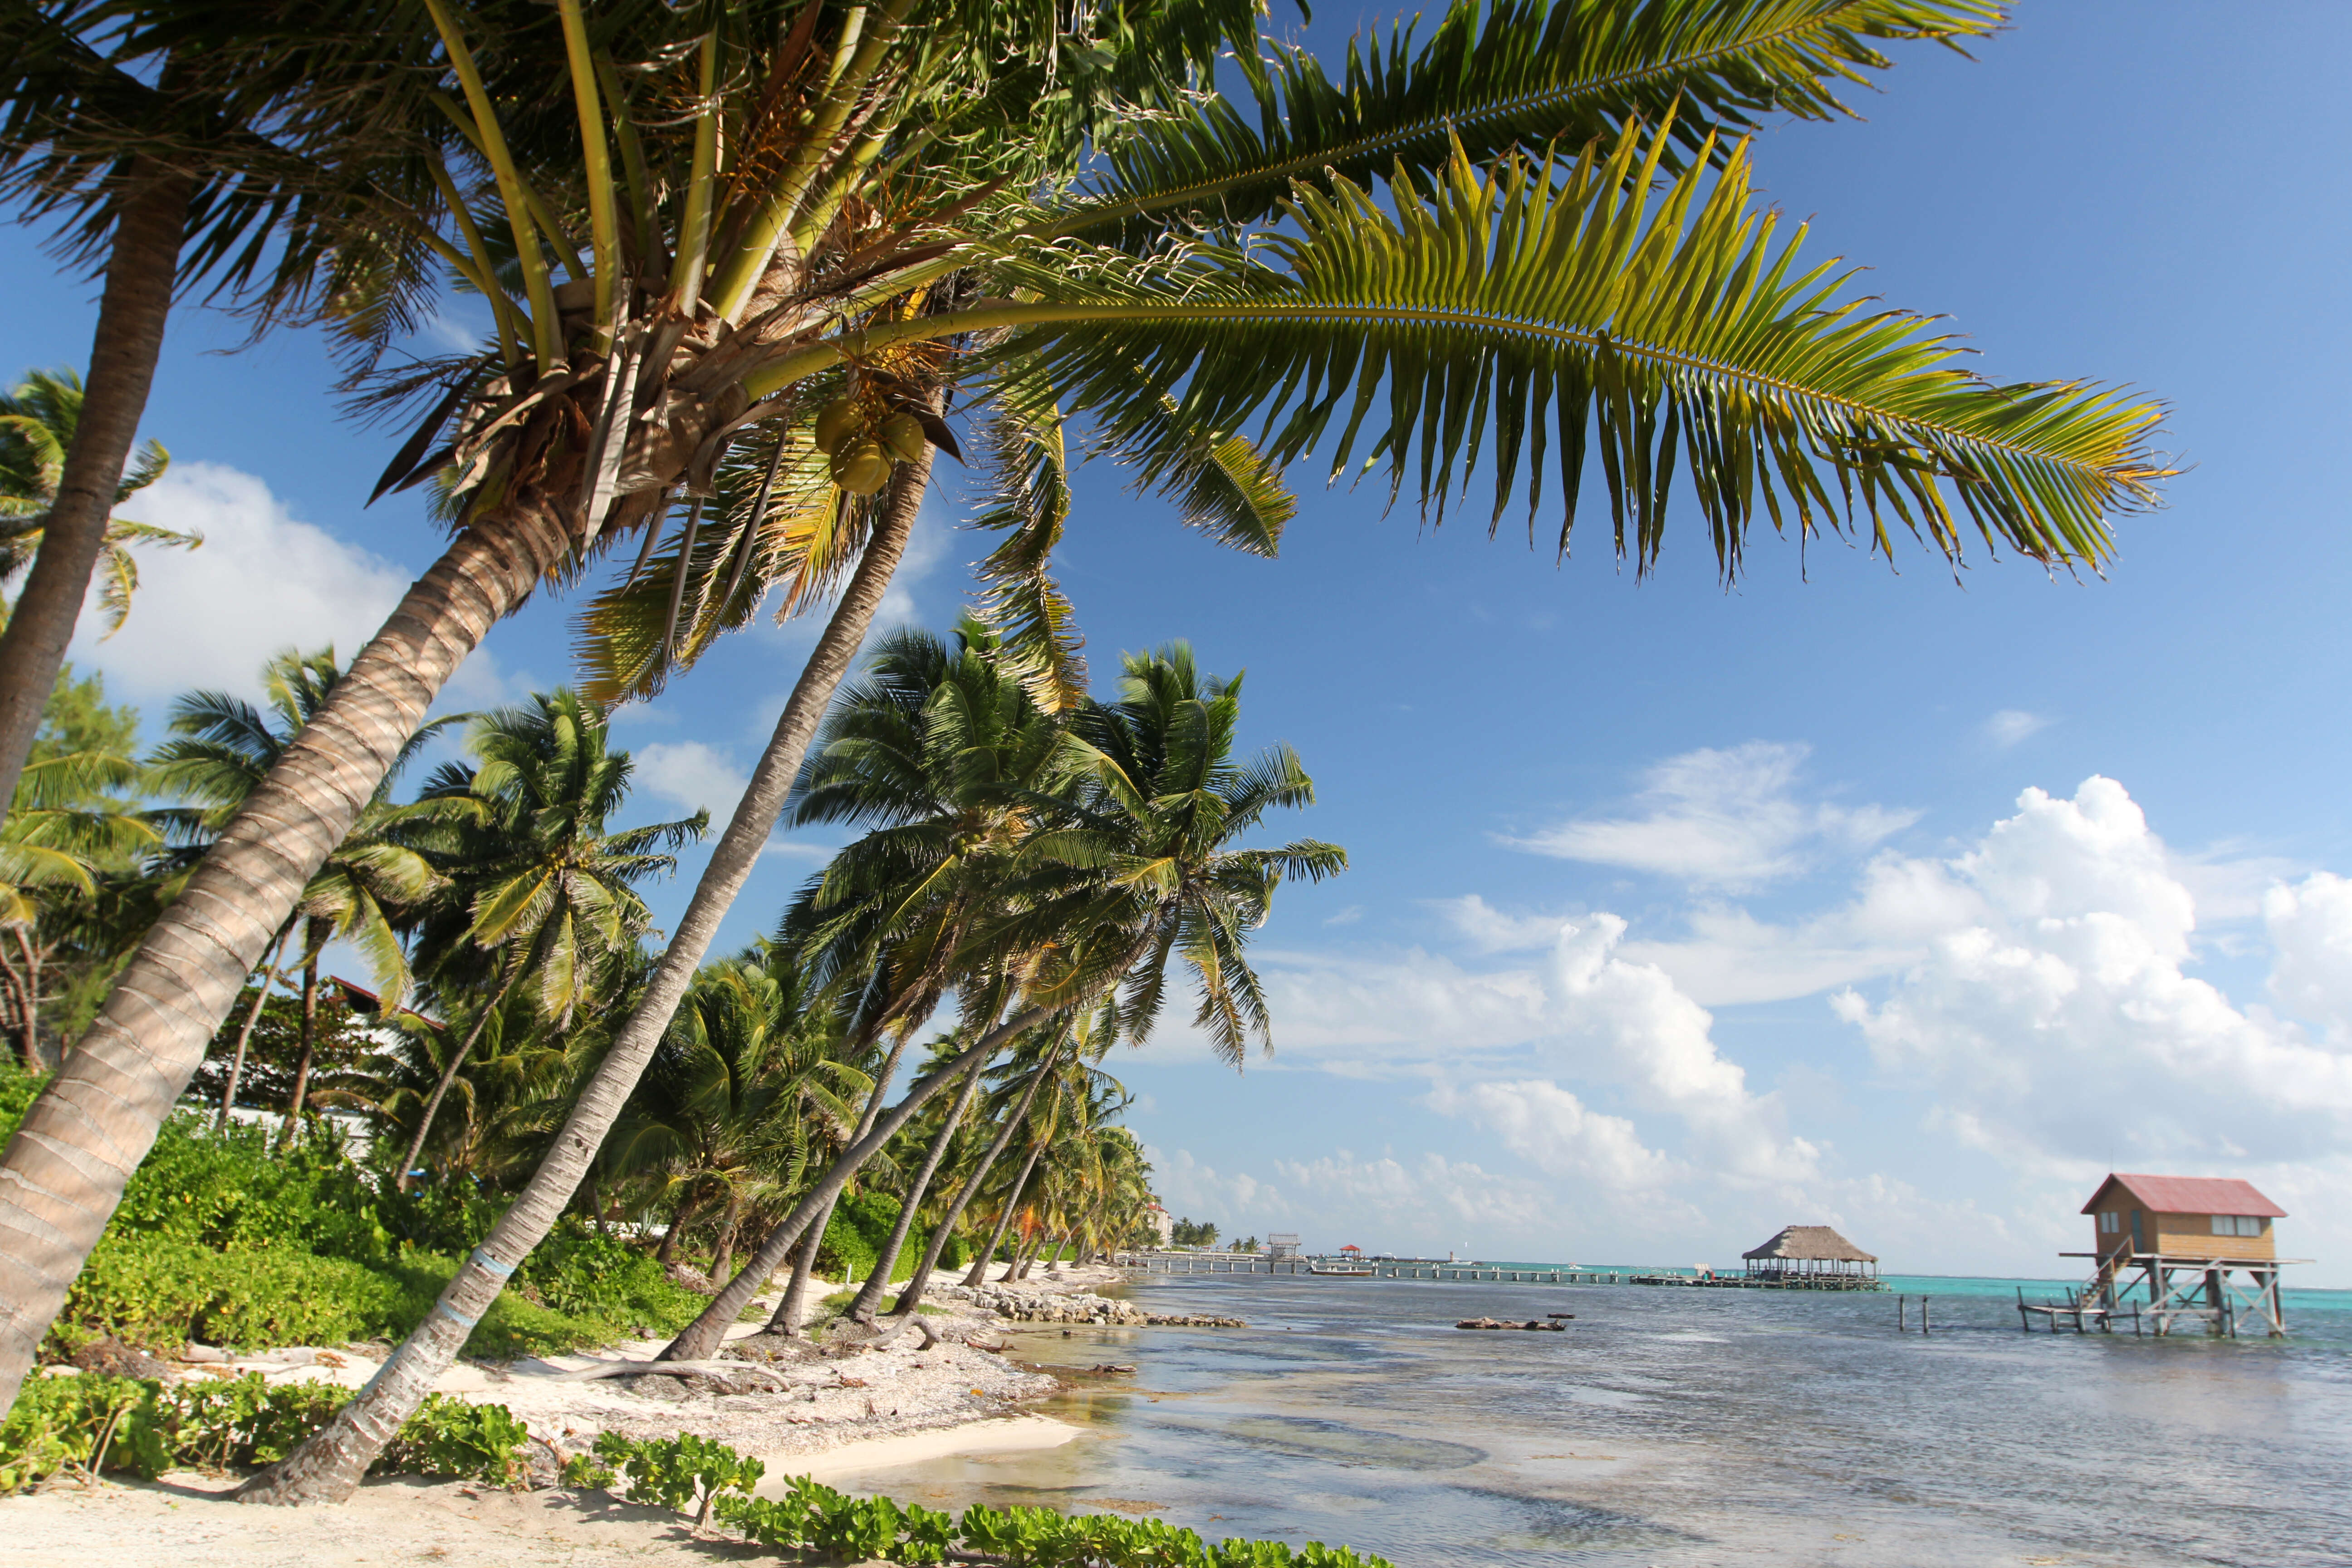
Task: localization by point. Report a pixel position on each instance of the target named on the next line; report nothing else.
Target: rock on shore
(1027, 1304)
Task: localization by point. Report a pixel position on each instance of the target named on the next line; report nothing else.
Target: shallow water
(1685, 1427)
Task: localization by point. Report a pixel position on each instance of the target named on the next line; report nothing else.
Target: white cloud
(2310, 926)
(1583, 1011)
(692, 774)
(2011, 725)
(1345, 917)
(264, 582)
(1558, 1134)
(1722, 818)
(2059, 1026)
(1491, 931)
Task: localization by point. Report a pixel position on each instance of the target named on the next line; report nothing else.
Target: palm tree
(549, 890)
(222, 748)
(78, 821)
(951, 197)
(162, 179)
(38, 421)
(943, 751)
(732, 1103)
(1139, 870)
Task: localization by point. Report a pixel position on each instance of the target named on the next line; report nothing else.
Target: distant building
(2199, 1216)
(1161, 1223)
(1813, 1258)
(1282, 1244)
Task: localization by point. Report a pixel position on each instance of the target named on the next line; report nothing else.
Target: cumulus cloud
(1727, 818)
(265, 581)
(690, 773)
(1584, 1010)
(2310, 927)
(2060, 1023)
(2011, 725)
(1558, 1134)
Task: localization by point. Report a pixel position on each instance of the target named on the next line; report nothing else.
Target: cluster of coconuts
(863, 451)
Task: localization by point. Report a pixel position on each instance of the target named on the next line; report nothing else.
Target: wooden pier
(1182, 1263)
(2171, 1289)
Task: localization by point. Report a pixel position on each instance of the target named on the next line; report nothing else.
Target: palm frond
(1499, 75)
(1673, 335)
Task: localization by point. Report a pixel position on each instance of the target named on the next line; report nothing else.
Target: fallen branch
(723, 1371)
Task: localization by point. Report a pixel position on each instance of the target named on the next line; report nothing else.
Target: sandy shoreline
(845, 1409)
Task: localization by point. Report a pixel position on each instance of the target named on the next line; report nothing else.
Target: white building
(1163, 1224)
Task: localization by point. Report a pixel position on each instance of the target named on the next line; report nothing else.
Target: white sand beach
(844, 1406)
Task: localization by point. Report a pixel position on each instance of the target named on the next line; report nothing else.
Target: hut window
(2237, 1225)
(2110, 1222)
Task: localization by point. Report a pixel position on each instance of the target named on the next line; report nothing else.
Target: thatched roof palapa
(1811, 1244)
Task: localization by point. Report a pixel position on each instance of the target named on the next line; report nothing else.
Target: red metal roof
(2190, 1194)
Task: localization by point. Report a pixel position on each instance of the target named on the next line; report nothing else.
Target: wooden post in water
(1923, 1314)
(1900, 1326)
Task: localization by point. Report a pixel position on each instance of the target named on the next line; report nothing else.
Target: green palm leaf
(1496, 76)
(1672, 334)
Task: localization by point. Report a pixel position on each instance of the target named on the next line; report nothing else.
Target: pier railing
(1348, 1268)
(1451, 1271)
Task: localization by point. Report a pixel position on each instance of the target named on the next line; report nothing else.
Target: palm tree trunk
(328, 1466)
(25, 999)
(63, 1172)
(870, 1297)
(309, 1038)
(724, 1253)
(448, 1076)
(913, 1295)
(252, 1017)
(667, 1254)
(787, 1318)
(979, 1275)
(702, 1337)
(140, 269)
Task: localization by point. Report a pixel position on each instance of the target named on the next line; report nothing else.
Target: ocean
(1682, 1427)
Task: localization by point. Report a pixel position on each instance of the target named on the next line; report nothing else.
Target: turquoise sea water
(1684, 1428)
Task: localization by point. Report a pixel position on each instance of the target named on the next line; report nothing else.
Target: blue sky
(1679, 914)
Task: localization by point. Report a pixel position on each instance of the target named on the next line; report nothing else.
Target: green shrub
(450, 1437)
(860, 1229)
(158, 1292)
(813, 1518)
(684, 1473)
(95, 1423)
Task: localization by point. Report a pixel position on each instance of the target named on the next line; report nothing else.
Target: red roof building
(2204, 1216)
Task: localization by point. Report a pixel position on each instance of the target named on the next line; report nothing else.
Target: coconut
(837, 422)
(860, 467)
(903, 435)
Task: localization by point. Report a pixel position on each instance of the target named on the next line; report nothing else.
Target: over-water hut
(2186, 1216)
(1813, 1258)
(2203, 1248)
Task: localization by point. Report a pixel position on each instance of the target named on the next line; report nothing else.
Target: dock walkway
(1182, 1263)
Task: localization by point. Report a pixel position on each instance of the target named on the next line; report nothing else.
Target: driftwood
(721, 1371)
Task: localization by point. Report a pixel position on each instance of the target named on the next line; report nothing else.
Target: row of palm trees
(502, 914)
(743, 258)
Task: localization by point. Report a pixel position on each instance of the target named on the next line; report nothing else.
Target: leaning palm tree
(1061, 213)
(729, 1112)
(1143, 869)
(548, 889)
(163, 179)
(944, 753)
(221, 749)
(39, 419)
